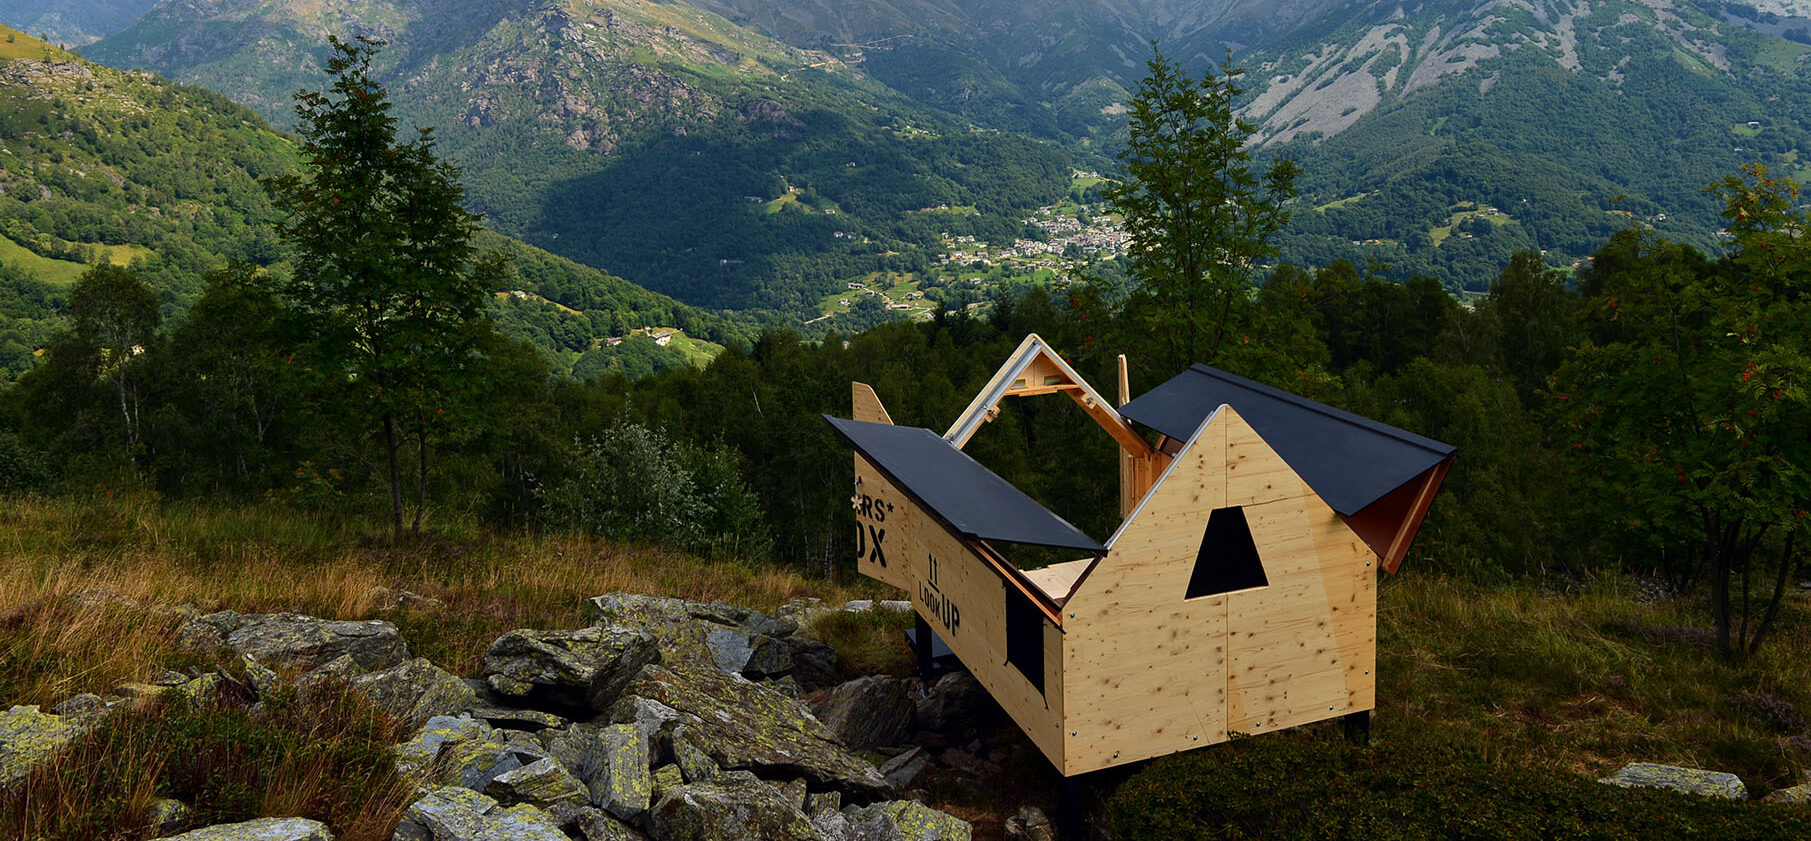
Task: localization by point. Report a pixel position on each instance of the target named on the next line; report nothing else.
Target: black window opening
(1025, 637)
(1228, 558)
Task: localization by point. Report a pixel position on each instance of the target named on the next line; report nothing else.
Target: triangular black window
(1228, 559)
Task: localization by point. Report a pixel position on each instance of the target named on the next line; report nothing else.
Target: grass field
(46, 269)
(16, 44)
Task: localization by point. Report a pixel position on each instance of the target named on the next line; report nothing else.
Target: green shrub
(324, 756)
(1311, 783)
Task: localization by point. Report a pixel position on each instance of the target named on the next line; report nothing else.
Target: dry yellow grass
(66, 564)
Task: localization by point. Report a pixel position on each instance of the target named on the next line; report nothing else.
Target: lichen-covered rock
(416, 690)
(870, 712)
(474, 764)
(415, 755)
(767, 658)
(263, 680)
(522, 823)
(542, 783)
(697, 765)
(905, 820)
(458, 814)
(730, 648)
(1674, 778)
(735, 807)
(201, 690)
(902, 770)
(744, 726)
(288, 641)
(27, 738)
(666, 778)
(262, 829)
(515, 719)
(568, 670)
(815, 664)
(166, 815)
(1800, 793)
(621, 780)
(598, 825)
(82, 705)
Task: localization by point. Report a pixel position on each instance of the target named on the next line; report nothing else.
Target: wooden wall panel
(1285, 659)
(1349, 576)
(886, 526)
(964, 600)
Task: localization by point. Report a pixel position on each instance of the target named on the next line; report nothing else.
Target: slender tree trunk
(1779, 593)
(1719, 590)
(390, 446)
(421, 469)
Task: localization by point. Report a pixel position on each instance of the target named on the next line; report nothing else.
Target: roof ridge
(1320, 408)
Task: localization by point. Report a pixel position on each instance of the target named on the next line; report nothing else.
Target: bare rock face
(905, 820)
(262, 829)
(288, 641)
(568, 670)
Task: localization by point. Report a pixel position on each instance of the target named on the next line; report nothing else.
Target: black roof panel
(1349, 461)
(957, 489)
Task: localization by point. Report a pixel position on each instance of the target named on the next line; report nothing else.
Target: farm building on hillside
(1238, 595)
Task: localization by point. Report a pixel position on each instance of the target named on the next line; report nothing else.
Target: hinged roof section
(1349, 461)
(973, 500)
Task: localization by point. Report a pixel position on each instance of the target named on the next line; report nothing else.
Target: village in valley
(1073, 235)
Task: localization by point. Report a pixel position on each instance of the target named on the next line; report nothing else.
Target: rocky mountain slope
(1442, 136)
(71, 22)
(656, 139)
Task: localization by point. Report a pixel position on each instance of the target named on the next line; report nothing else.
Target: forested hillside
(128, 169)
(653, 140)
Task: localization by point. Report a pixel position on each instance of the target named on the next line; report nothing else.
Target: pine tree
(386, 270)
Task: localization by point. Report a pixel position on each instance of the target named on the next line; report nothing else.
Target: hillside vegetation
(102, 166)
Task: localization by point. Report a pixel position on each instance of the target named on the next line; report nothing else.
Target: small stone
(263, 680)
(524, 823)
(515, 719)
(167, 815)
(1800, 793)
(1030, 824)
(568, 670)
(794, 792)
(170, 679)
(1674, 778)
(262, 829)
(201, 690)
(600, 826)
(450, 813)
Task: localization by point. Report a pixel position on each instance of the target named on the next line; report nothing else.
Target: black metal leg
(921, 645)
(1358, 727)
(1071, 820)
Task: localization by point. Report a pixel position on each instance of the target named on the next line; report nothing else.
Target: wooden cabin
(1239, 594)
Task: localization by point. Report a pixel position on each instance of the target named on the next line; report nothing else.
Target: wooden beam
(1399, 548)
(866, 405)
(1127, 471)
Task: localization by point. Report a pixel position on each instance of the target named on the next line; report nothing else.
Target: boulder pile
(666, 720)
